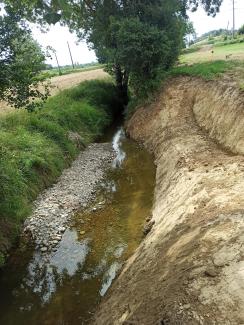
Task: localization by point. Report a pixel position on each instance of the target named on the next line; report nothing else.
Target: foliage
(21, 60)
(34, 148)
(137, 39)
(241, 30)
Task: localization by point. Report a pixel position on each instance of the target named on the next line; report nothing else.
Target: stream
(68, 288)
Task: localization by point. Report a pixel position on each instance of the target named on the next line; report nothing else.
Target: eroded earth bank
(190, 267)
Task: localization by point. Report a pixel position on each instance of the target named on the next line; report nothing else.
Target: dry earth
(190, 267)
(70, 80)
(66, 81)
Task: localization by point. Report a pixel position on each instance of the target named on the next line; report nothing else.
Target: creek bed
(67, 288)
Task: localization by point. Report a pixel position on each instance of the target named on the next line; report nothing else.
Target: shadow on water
(67, 288)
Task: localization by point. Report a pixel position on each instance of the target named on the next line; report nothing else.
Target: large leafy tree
(138, 39)
(21, 60)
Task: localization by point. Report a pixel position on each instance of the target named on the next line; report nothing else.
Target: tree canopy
(137, 39)
(21, 60)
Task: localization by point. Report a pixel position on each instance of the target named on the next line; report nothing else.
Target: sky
(58, 36)
(204, 23)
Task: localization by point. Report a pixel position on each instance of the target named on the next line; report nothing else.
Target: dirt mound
(190, 267)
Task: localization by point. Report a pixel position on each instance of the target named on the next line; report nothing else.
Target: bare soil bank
(190, 267)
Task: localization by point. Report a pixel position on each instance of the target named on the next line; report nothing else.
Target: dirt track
(66, 81)
(190, 268)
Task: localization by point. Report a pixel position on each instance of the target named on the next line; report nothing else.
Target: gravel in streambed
(73, 190)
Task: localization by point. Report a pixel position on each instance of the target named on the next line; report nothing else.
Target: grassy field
(210, 62)
(209, 69)
(213, 53)
(35, 147)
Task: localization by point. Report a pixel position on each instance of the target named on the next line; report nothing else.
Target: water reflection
(66, 287)
(44, 274)
(117, 146)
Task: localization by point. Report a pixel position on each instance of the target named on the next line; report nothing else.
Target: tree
(137, 39)
(210, 6)
(21, 60)
(241, 30)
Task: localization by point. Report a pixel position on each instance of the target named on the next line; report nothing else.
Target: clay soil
(190, 267)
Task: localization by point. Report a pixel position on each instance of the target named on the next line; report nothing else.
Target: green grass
(206, 70)
(35, 148)
(234, 51)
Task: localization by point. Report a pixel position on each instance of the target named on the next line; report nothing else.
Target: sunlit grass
(207, 70)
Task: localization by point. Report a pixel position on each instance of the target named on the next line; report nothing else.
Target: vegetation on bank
(35, 147)
(207, 70)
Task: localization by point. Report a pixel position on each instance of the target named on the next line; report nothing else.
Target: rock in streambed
(73, 190)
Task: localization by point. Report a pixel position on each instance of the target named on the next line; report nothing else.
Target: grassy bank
(36, 147)
(207, 70)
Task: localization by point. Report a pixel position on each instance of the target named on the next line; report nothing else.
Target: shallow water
(67, 288)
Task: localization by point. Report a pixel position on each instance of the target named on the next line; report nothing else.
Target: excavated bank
(190, 267)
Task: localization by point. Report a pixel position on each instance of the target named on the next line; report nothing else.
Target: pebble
(75, 189)
(211, 272)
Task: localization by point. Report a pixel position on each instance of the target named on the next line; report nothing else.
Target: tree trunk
(122, 78)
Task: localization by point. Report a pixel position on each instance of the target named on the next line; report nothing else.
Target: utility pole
(227, 29)
(71, 56)
(57, 63)
(233, 31)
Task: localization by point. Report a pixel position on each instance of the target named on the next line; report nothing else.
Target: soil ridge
(190, 267)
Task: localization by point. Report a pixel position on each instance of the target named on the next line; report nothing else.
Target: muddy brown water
(67, 288)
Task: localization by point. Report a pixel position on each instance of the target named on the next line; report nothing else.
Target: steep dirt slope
(190, 267)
